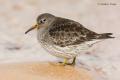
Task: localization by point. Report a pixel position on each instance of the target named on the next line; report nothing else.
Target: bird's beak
(33, 27)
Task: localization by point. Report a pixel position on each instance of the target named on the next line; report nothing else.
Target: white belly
(63, 52)
(69, 51)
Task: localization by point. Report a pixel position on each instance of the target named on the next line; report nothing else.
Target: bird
(65, 38)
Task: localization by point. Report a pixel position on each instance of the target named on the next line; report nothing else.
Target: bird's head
(43, 20)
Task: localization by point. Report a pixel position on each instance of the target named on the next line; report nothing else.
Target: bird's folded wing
(65, 32)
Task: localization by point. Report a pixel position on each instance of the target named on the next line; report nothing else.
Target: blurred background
(101, 16)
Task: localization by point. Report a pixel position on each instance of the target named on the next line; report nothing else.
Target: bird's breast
(43, 36)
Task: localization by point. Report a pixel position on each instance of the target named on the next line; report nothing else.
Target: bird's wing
(65, 32)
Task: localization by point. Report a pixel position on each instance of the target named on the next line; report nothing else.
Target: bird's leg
(73, 62)
(65, 62)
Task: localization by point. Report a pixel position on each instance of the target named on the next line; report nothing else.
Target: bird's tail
(104, 36)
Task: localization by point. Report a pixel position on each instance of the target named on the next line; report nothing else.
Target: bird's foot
(62, 63)
(65, 62)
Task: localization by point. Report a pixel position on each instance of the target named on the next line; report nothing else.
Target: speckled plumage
(65, 32)
(65, 38)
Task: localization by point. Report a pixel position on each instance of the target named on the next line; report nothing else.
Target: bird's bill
(33, 27)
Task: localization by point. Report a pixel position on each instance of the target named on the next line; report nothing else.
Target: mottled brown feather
(65, 32)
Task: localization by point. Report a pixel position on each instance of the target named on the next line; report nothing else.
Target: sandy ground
(42, 71)
(16, 16)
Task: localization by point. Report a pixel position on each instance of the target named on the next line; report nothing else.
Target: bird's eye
(42, 20)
